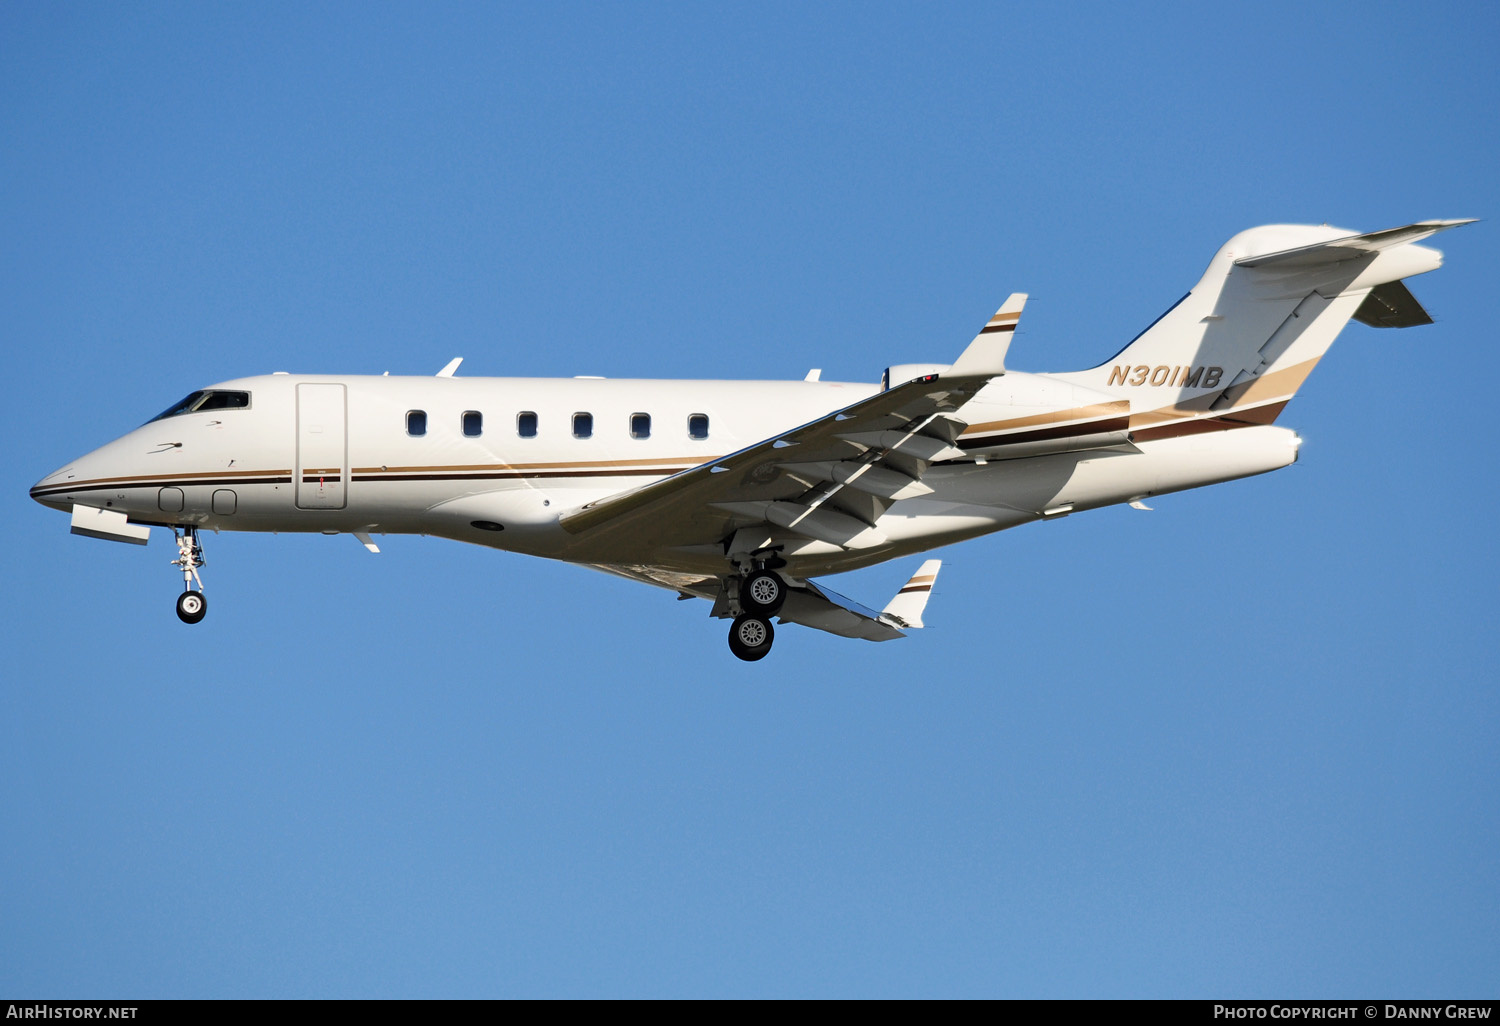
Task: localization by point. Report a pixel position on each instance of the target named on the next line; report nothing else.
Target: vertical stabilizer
(1239, 345)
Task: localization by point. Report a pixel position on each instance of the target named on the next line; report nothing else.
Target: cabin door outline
(322, 470)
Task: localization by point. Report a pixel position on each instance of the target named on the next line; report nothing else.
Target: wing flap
(826, 610)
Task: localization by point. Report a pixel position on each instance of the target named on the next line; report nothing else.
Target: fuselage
(497, 461)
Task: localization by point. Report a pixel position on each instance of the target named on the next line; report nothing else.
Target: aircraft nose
(85, 478)
(51, 490)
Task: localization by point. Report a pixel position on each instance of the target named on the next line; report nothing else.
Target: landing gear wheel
(191, 606)
(750, 637)
(762, 593)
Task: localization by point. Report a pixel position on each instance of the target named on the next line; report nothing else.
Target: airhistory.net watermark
(40, 1010)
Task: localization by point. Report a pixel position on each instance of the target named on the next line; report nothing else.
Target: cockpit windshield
(209, 399)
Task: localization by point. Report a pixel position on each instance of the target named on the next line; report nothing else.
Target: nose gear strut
(191, 605)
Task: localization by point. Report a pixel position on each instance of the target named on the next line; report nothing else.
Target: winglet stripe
(985, 355)
(908, 604)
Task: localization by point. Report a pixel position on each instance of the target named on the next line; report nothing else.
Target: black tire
(191, 606)
(762, 594)
(750, 637)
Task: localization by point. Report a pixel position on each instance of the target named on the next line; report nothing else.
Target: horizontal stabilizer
(1391, 306)
(907, 607)
(1350, 247)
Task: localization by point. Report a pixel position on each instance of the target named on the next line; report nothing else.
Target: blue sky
(1244, 745)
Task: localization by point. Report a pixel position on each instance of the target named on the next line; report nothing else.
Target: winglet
(986, 354)
(448, 371)
(906, 608)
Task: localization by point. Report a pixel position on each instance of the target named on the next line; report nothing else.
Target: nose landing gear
(191, 605)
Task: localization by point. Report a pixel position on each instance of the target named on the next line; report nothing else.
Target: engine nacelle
(901, 373)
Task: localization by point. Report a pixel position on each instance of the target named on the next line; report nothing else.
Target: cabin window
(698, 426)
(640, 425)
(416, 423)
(206, 399)
(473, 424)
(526, 424)
(583, 425)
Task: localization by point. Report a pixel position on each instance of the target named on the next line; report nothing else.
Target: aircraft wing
(829, 480)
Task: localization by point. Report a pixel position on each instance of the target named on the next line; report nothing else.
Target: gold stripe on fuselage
(501, 471)
(1096, 411)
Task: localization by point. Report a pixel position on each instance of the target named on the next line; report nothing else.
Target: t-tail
(1235, 349)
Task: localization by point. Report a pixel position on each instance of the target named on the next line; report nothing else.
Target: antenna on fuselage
(447, 372)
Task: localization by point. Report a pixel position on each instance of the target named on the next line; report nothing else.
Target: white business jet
(744, 492)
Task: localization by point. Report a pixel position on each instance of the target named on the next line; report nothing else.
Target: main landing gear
(750, 637)
(191, 605)
(762, 594)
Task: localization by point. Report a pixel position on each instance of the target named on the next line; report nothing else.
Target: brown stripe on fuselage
(512, 475)
(685, 461)
(1114, 409)
(1090, 427)
(585, 468)
(1277, 383)
(498, 475)
(155, 482)
(1252, 417)
(141, 479)
(1281, 384)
